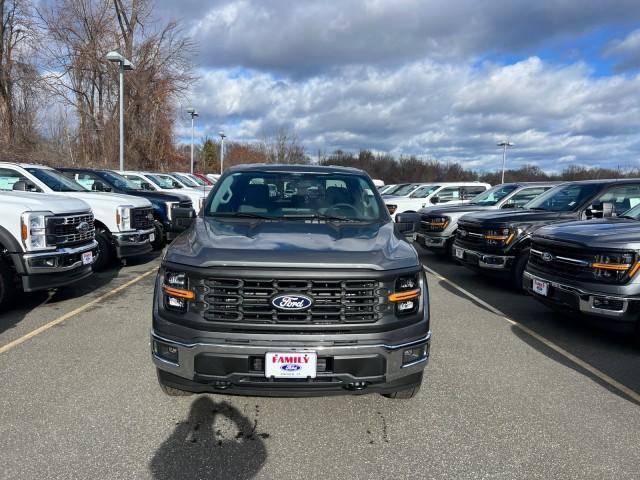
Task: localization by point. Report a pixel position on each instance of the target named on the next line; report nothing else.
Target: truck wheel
(104, 255)
(7, 286)
(159, 242)
(450, 254)
(518, 270)
(405, 394)
(170, 391)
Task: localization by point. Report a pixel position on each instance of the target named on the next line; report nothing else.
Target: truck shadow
(611, 353)
(201, 447)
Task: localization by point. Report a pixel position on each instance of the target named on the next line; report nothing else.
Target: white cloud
(627, 51)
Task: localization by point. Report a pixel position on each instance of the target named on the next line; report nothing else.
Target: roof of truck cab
(277, 167)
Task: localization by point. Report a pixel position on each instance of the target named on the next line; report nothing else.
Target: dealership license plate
(540, 287)
(459, 253)
(152, 237)
(290, 364)
(87, 258)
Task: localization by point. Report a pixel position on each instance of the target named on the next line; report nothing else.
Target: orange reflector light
(25, 232)
(399, 297)
(611, 266)
(439, 224)
(179, 293)
(635, 269)
(496, 237)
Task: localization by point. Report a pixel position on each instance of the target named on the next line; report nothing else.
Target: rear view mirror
(407, 223)
(183, 218)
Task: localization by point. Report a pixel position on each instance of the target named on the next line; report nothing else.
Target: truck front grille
(470, 235)
(142, 218)
(186, 204)
(70, 229)
(334, 301)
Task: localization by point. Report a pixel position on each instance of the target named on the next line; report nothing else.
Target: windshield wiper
(322, 216)
(241, 215)
(627, 217)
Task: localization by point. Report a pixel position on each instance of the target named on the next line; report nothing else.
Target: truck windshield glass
(404, 190)
(565, 198)
(187, 182)
(56, 181)
(295, 196)
(493, 195)
(424, 192)
(164, 181)
(118, 181)
(197, 180)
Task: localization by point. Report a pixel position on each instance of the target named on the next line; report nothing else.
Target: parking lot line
(569, 356)
(72, 313)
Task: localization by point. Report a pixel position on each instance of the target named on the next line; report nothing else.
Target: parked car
(438, 224)
(451, 193)
(164, 204)
(386, 188)
(403, 189)
(187, 181)
(124, 223)
(299, 295)
(378, 183)
(590, 268)
(213, 177)
(46, 241)
(498, 242)
(164, 183)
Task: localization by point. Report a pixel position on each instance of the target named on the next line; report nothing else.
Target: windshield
(564, 198)
(394, 188)
(493, 195)
(164, 181)
(296, 196)
(424, 192)
(55, 180)
(198, 180)
(118, 181)
(404, 190)
(187, 182)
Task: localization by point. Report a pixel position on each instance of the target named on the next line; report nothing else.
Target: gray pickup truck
(294, 281)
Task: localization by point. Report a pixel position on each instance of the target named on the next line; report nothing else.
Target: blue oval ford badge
(290, 367)
(291, 301)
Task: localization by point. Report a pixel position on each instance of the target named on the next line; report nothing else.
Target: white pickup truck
(162, 182)
(46, 241)
(124, 223)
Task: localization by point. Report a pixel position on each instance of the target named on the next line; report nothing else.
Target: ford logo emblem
(547, 257)
(83, 227)
(290, 367)
(291, 301)
(463, 233)
(150, 216)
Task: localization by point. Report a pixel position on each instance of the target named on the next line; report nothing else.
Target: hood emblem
(547, 257)
(463, 233)
(150, 216)
(291, 302)
(83, 227)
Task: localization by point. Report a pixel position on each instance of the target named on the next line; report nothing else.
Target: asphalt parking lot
(532, 395)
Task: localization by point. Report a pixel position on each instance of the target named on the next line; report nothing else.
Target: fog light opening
(221, 385)
(605, 303)
(165, 352)
(357, 386)
(414, 355)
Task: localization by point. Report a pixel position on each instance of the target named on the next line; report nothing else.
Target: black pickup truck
(498, 242)
(164, 204)
(590, 268)
(293, 280)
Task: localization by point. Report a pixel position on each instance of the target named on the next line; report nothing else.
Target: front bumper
(45, 270)
(623, 309)
(134, 242)
(433, 242)
(483, 261)
(349, 369)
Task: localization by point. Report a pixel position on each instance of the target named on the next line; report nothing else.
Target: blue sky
(438, 78)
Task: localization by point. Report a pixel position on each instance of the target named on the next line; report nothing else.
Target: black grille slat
(249, 300)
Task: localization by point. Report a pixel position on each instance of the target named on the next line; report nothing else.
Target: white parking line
(72, 313)
(581, 363)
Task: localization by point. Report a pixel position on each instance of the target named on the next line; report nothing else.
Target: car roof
(278, 167)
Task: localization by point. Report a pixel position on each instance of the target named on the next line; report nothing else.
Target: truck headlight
(176, 291)
(499, 237)
(615, 266)
(33, 228)
(406, 295)
(437, 224)
(170, 207)
(123, 217)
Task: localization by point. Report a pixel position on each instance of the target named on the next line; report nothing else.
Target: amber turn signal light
(179, 293)
(408, 295)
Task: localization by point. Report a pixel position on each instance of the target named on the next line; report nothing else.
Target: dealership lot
(80, 398)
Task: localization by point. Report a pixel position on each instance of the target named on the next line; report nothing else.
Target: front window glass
(8, 177)
(295, 196)
(119, 181)
(425, 191)
(198, 180)
(565, 198)
(493, 195)
(186, 181)
(405, 190)
(164, 181)
(623, 198)
(55, 180)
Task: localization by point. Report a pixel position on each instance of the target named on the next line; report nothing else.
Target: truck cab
(293, 280)
(46, 241)
(161, 182)
(123, 223)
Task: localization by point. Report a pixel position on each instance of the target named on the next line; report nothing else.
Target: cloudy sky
(437, 78)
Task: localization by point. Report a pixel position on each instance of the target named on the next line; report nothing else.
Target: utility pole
(504, 144)
(193, 112)
(222, 137)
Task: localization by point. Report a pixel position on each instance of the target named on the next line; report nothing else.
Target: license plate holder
(459, 253)
(540, 287)
(301, 364)
(152, 237)
(87, 258)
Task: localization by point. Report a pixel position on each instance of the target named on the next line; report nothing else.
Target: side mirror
(607, 210)
(99, 187)
(509, 205)
(435, 199)
(407, 223)
(601, 210)
(146, 186)
(20, 186)
(183, 218)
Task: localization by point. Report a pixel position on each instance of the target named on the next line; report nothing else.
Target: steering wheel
(344, 206)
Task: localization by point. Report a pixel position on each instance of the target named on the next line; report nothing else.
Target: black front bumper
(496, 264)
(137, 242)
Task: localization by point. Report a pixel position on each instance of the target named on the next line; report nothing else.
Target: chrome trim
(573, 261)
(417, 362)
(60, 252)
(482, 256)
(131, 233)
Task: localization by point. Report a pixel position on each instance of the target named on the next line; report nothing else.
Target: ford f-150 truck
(123, 223)
(164, 203)
(46, 241)
(272, 293)
(590, 268)
(438, 225)
(499, 241)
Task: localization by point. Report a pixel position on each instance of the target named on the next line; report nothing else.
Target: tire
(7, 285)
(105, 253)
(518, 270)
(407, 393)
(159, 242)
(449, 254)
(170, 391)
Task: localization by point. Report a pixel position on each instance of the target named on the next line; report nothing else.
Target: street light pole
(192, 111)
(222, 137)
(124, 64)
(504, 144)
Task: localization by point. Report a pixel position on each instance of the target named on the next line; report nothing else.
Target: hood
(620, 233)
(57, 204)
(212, 242)
(514, 216)
(453, 209)
(115, 199)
